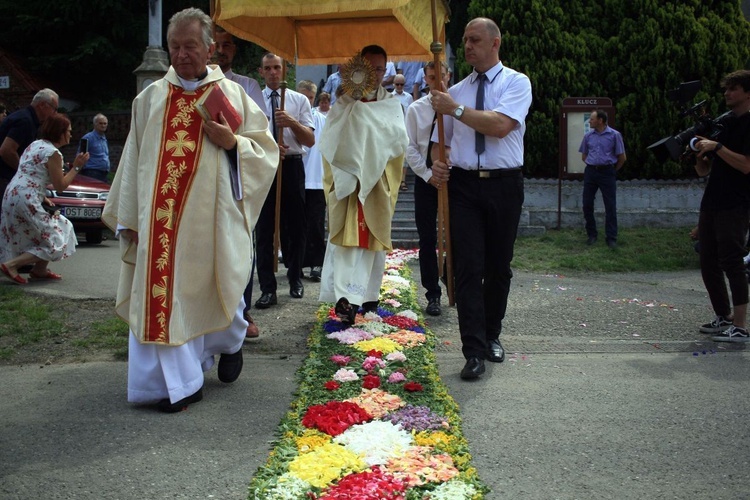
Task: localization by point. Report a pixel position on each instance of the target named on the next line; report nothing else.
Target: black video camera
(674, 147)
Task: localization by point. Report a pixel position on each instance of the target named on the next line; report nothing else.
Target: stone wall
(639, 203)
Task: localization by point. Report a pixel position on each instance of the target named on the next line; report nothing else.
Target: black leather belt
(292, 157)
(601, 167)
(489, 174)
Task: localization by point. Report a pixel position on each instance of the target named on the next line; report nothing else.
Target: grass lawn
(31, 323)
(638, 250)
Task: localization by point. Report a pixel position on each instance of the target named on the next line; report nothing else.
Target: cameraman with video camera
(725, 211)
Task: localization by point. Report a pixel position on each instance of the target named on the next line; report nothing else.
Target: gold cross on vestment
(180, 143)
(166, 213)
(159, 291)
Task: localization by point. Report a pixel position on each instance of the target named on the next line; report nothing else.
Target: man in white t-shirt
(406, 99)
(399, 82)
(410, 71)
(315, 200)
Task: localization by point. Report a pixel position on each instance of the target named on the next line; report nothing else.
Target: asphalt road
(608, 391)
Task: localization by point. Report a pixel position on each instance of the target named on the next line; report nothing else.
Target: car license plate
(82, 213)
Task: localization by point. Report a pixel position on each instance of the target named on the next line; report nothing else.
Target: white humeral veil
(363, 147)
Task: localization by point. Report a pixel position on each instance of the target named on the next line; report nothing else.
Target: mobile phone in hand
(84, 145)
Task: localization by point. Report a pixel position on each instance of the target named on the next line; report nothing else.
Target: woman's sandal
(345, 311)
(17, 278)
(48, 276)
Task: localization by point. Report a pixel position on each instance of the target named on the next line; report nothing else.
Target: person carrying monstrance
(363, 147)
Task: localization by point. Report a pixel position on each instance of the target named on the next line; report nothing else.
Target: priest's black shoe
(368, 307)
(496, 352)
(296, 290)
(230, 366)
(167, 407)
(433, 307)
(266, 300)
(473, 369)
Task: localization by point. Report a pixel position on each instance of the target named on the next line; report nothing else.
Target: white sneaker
(732, 334)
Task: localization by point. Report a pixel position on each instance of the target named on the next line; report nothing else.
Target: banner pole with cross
(280, 142)
(445, 254)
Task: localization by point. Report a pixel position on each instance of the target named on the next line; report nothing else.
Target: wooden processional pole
(280, 141)
(445, 255)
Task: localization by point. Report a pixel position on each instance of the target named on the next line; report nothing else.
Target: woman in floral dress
(28, 234)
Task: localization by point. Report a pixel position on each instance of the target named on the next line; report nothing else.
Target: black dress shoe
(368, 307)
(315, 273)
(230, 366)
(266, 300)
(591, 240)
(473, 369)
(296, 290)
(612, 244)
(496, 352)
(433, 307)
(167, 407)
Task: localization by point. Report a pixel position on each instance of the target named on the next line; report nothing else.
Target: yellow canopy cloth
(330, 31)
(363, 146)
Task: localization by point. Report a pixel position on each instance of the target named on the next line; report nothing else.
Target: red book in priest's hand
(214, 101)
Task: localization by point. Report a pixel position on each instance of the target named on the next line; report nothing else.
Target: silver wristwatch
(458, 112)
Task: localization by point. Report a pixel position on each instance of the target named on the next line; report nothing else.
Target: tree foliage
(631, 51)
(88, 49)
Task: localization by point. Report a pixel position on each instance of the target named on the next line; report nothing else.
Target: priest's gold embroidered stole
(182, 137)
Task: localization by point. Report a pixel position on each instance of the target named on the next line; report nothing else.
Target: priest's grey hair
(190, 15)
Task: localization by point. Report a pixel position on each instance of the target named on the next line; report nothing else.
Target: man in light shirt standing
(485, 131)
(420, 121)
(97, 166)
(399, 82)
(226, 49)
(297, 123)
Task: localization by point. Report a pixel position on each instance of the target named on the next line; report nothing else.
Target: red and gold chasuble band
(182, 137)
(363, 233)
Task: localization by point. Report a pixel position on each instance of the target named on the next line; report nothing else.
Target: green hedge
(631, 51)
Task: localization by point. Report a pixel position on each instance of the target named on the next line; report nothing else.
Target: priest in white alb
(363, 147)
(184, 200)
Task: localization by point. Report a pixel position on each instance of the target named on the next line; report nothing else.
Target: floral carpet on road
(371, 419)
